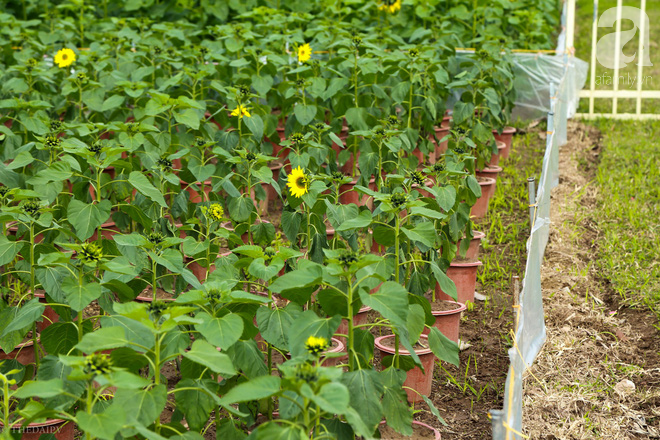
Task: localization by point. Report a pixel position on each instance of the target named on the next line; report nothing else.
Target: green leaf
(240, 208)
(206, 354)
(446, 284)
(390, 300)
(256, 126)
(196, 404)
(9, 249)
(305, 113)
(445, 196)
(103, 339)
(274, 324)
(333, 397)
(222, 332)
(415, 321)
(424, 233)
(262, 84)
(22, 159)
(86, 218)
(365, 390)
(112, 103)
(80, 296)
(444, 348)
(309, 324)
(188, 117)
(27, 314)
(142, 184)
(395, 401)
(257, 388)
(361, 221)
(142, 406)
(357, 118)
(290, 283)
(104, 425)
(247, 357)
(41, 388)
(59, 337)
(474, 186)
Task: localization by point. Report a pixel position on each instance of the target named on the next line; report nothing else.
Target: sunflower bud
(98, 364)
(315, 346)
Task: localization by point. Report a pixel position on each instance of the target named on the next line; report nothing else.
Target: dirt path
(598, 374)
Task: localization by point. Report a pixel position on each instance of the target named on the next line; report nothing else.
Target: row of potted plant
(168, 197)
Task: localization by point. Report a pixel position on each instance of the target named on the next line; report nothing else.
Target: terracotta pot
(416, 379)
(473, 250)
(464, 275)
(339, 347)
(61, 429)
(495, 158)
(446, 121)
(361, 317)
(448, 321)
(480, 208)
(440, 146)
(418, 425)
(492, 172)
(23, 353)
(507, 138)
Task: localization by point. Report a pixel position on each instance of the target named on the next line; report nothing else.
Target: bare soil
(597, 376)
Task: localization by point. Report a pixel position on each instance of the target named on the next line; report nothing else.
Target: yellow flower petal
(64, 57)
(298, 182)
(304, 52)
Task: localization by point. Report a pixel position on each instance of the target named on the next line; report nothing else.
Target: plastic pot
(507, 138)
(495, 158)
(480, 208)
(61, 429)
(475, 244)
(417, 426)
(491, 172)
(448, 321)
(23, 353)
(416, 379)
(361, 317)
(440, 145)
(339, 347)
(464, 275)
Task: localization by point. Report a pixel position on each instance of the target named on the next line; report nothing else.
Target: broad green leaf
(102, 425)
(22, 159)
(222, 332)
(205, 354)
(27, 314)
(446, 284)
(445, 196)
(257, 388)
(103, 339)
(333, 397)
(112, 103)
(240, 208)
(247, 357)
(274, 324)
(395, 401)
(305, 113)
(309, 324)
(142, 184)
(140, 405)
(365, 389)
(195, 403)
(40, 388)
(256, 126)
(86, 218)
(59, 337)
(80, 296)
(361, 221)
(424, 233)
(444, 348)
(188, 117)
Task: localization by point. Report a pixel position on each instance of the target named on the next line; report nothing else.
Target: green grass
(507, 223)
(628, 212)
(651, 75)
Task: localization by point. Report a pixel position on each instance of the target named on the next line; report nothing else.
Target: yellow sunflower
(215, 212)
(316, 346)
(298, 182)
(304, 52)
(240, 111)
(65, 57)
(390, 6)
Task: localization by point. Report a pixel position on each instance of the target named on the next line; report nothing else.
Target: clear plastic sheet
(548, 86)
